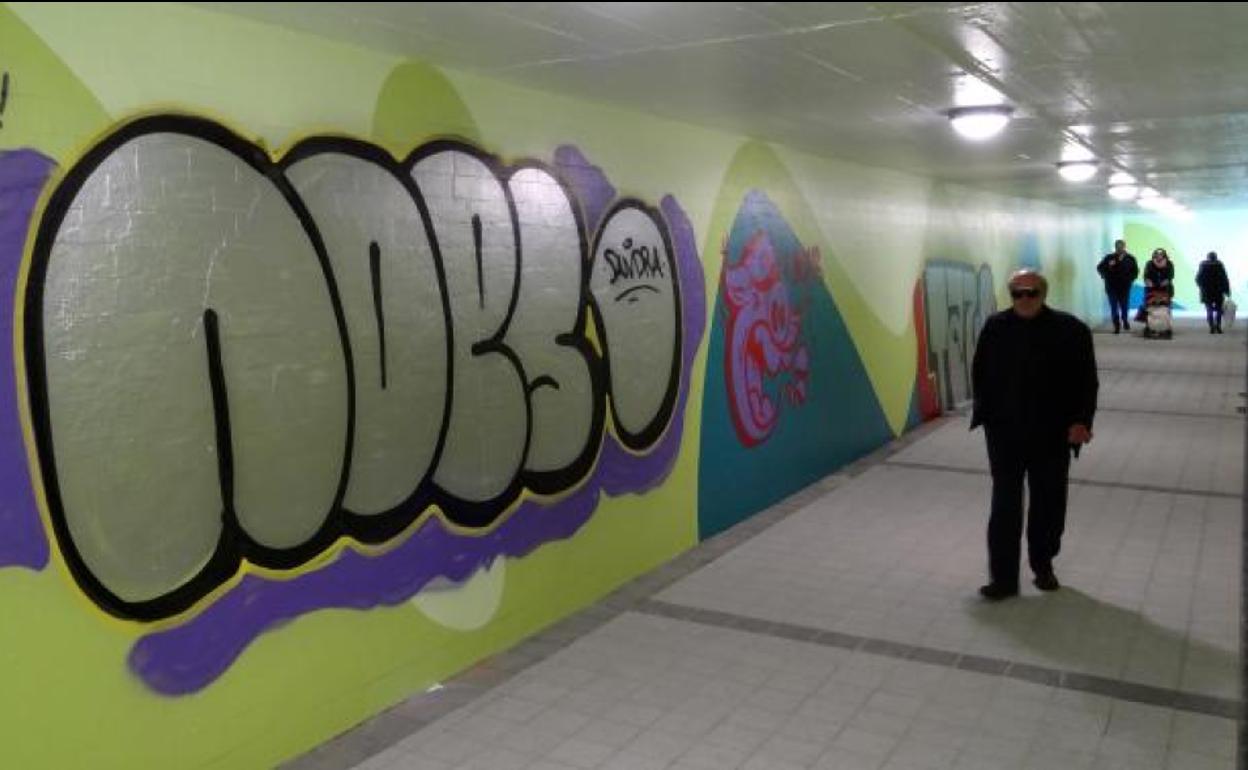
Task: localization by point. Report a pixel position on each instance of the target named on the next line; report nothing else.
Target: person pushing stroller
(1158, 295)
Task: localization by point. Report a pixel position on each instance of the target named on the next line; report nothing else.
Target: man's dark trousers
(1213, 314)
(1045, 461)
(1118, 299)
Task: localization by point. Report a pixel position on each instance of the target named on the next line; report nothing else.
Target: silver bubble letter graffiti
(192, 363)
(637, 305)
(547, 329)
(473, 227)
(392, 299)
(235, 360)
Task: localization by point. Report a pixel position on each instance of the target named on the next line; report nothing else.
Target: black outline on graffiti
(649, 434)
(379, 310)
(235, 546)
(627, 294)
(380, 527)
(4, 95)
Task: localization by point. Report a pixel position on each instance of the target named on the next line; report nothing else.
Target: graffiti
(796, 403)
(926, 392)
(4, 96)
(764, 335)
(234, 360)
(639, 331)
(958, 300)
(189, 656)
(633, 263)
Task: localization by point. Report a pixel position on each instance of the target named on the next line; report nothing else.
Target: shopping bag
(1228, 312)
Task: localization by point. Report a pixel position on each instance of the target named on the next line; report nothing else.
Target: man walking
(1035, 386)
(1119, 270)
(1214, 289)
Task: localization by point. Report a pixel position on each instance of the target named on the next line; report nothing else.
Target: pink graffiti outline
(763, 336)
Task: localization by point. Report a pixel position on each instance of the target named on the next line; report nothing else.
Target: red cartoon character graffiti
(763, 336)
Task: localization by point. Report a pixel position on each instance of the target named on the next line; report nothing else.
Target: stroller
(1158, 321)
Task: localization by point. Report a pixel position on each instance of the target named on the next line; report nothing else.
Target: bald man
(1035, 386)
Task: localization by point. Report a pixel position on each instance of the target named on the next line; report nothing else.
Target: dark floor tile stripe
(981, 664)
(1036, 674)
(886, 647)
(934, 656)
(1220, 416)
(1068, 680)
(1158, 372)
(1081, 482)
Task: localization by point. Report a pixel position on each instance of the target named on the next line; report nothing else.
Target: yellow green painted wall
(71, 695)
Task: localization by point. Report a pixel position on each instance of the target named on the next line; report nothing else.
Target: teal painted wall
(821, 410)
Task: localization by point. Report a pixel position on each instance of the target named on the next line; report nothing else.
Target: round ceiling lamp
(1149, 199)
(980, 123)
(1077, 170)
(1123, 192)
(1122, 186)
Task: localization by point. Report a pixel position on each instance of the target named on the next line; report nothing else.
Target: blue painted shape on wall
(1029, 253)
(1137, 299)
(760, 443)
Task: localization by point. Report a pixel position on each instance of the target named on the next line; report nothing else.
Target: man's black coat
(1036, 377)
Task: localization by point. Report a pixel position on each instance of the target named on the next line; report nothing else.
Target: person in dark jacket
(1214, 289)
(1119, 270)
(1159, 273)
(1035, 386)
(1158, 285)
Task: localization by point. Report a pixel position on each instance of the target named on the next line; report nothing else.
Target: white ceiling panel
(1160, 89)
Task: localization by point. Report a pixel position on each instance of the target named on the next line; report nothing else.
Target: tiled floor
(841, 629)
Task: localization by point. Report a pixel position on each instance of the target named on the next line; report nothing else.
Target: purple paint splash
(22, 539)
(589, 185)
(188, 658)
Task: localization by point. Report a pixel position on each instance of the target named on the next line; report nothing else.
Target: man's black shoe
(1047, 581)
(995, 592)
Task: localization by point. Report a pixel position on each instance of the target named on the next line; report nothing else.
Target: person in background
(1035, 387)
(1159, 274)
(1214, 289)
(1119, 270)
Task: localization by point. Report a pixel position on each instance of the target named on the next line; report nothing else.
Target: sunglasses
(1020, 293)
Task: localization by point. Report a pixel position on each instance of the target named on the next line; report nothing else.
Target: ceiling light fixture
(982, 122)
(1122, 186)
(1172, 208)
(1149, 199)
(1123, 192)
(1077, 170)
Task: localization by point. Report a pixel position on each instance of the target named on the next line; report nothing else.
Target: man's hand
(1078, 434)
